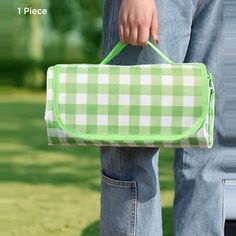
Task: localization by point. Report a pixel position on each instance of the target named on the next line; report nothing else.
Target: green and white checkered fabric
(168, 105)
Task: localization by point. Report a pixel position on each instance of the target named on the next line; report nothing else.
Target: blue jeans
(189, 31)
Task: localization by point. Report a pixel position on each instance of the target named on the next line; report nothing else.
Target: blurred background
(47, 191)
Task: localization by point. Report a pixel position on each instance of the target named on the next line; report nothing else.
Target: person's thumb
(154, 27)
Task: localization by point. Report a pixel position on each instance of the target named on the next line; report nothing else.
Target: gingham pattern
(144, 100)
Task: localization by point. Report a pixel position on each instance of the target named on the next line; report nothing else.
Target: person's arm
(138, 20)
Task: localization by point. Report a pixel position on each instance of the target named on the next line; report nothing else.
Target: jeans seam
(116, 183)
(223, 203)
(133, 210)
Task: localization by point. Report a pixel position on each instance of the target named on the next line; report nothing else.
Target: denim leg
(130, 194)
(198, 203)
(130, 189)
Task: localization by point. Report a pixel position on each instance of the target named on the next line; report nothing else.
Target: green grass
(53, 191)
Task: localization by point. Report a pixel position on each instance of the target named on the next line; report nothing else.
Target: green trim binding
(161, 54)
(113, 53)
(120, 46)
(211, 112)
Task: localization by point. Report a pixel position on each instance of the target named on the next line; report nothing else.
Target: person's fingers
(143, 34)
(122, 25)
(126, 33)
(154, 27)
(121, 34)
(133, 35)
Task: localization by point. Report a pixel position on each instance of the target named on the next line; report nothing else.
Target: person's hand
(138, 20)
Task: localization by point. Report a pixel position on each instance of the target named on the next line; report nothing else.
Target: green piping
(167, 59)
(211, 112)
(114, 52)
(120, 46)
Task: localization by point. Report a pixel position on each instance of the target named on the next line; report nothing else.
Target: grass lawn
(53, 191)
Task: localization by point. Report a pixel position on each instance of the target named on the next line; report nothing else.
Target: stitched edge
(223, 203)
(118, 183)
(133, 211)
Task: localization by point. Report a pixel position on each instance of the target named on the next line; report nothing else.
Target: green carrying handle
(120, 46)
